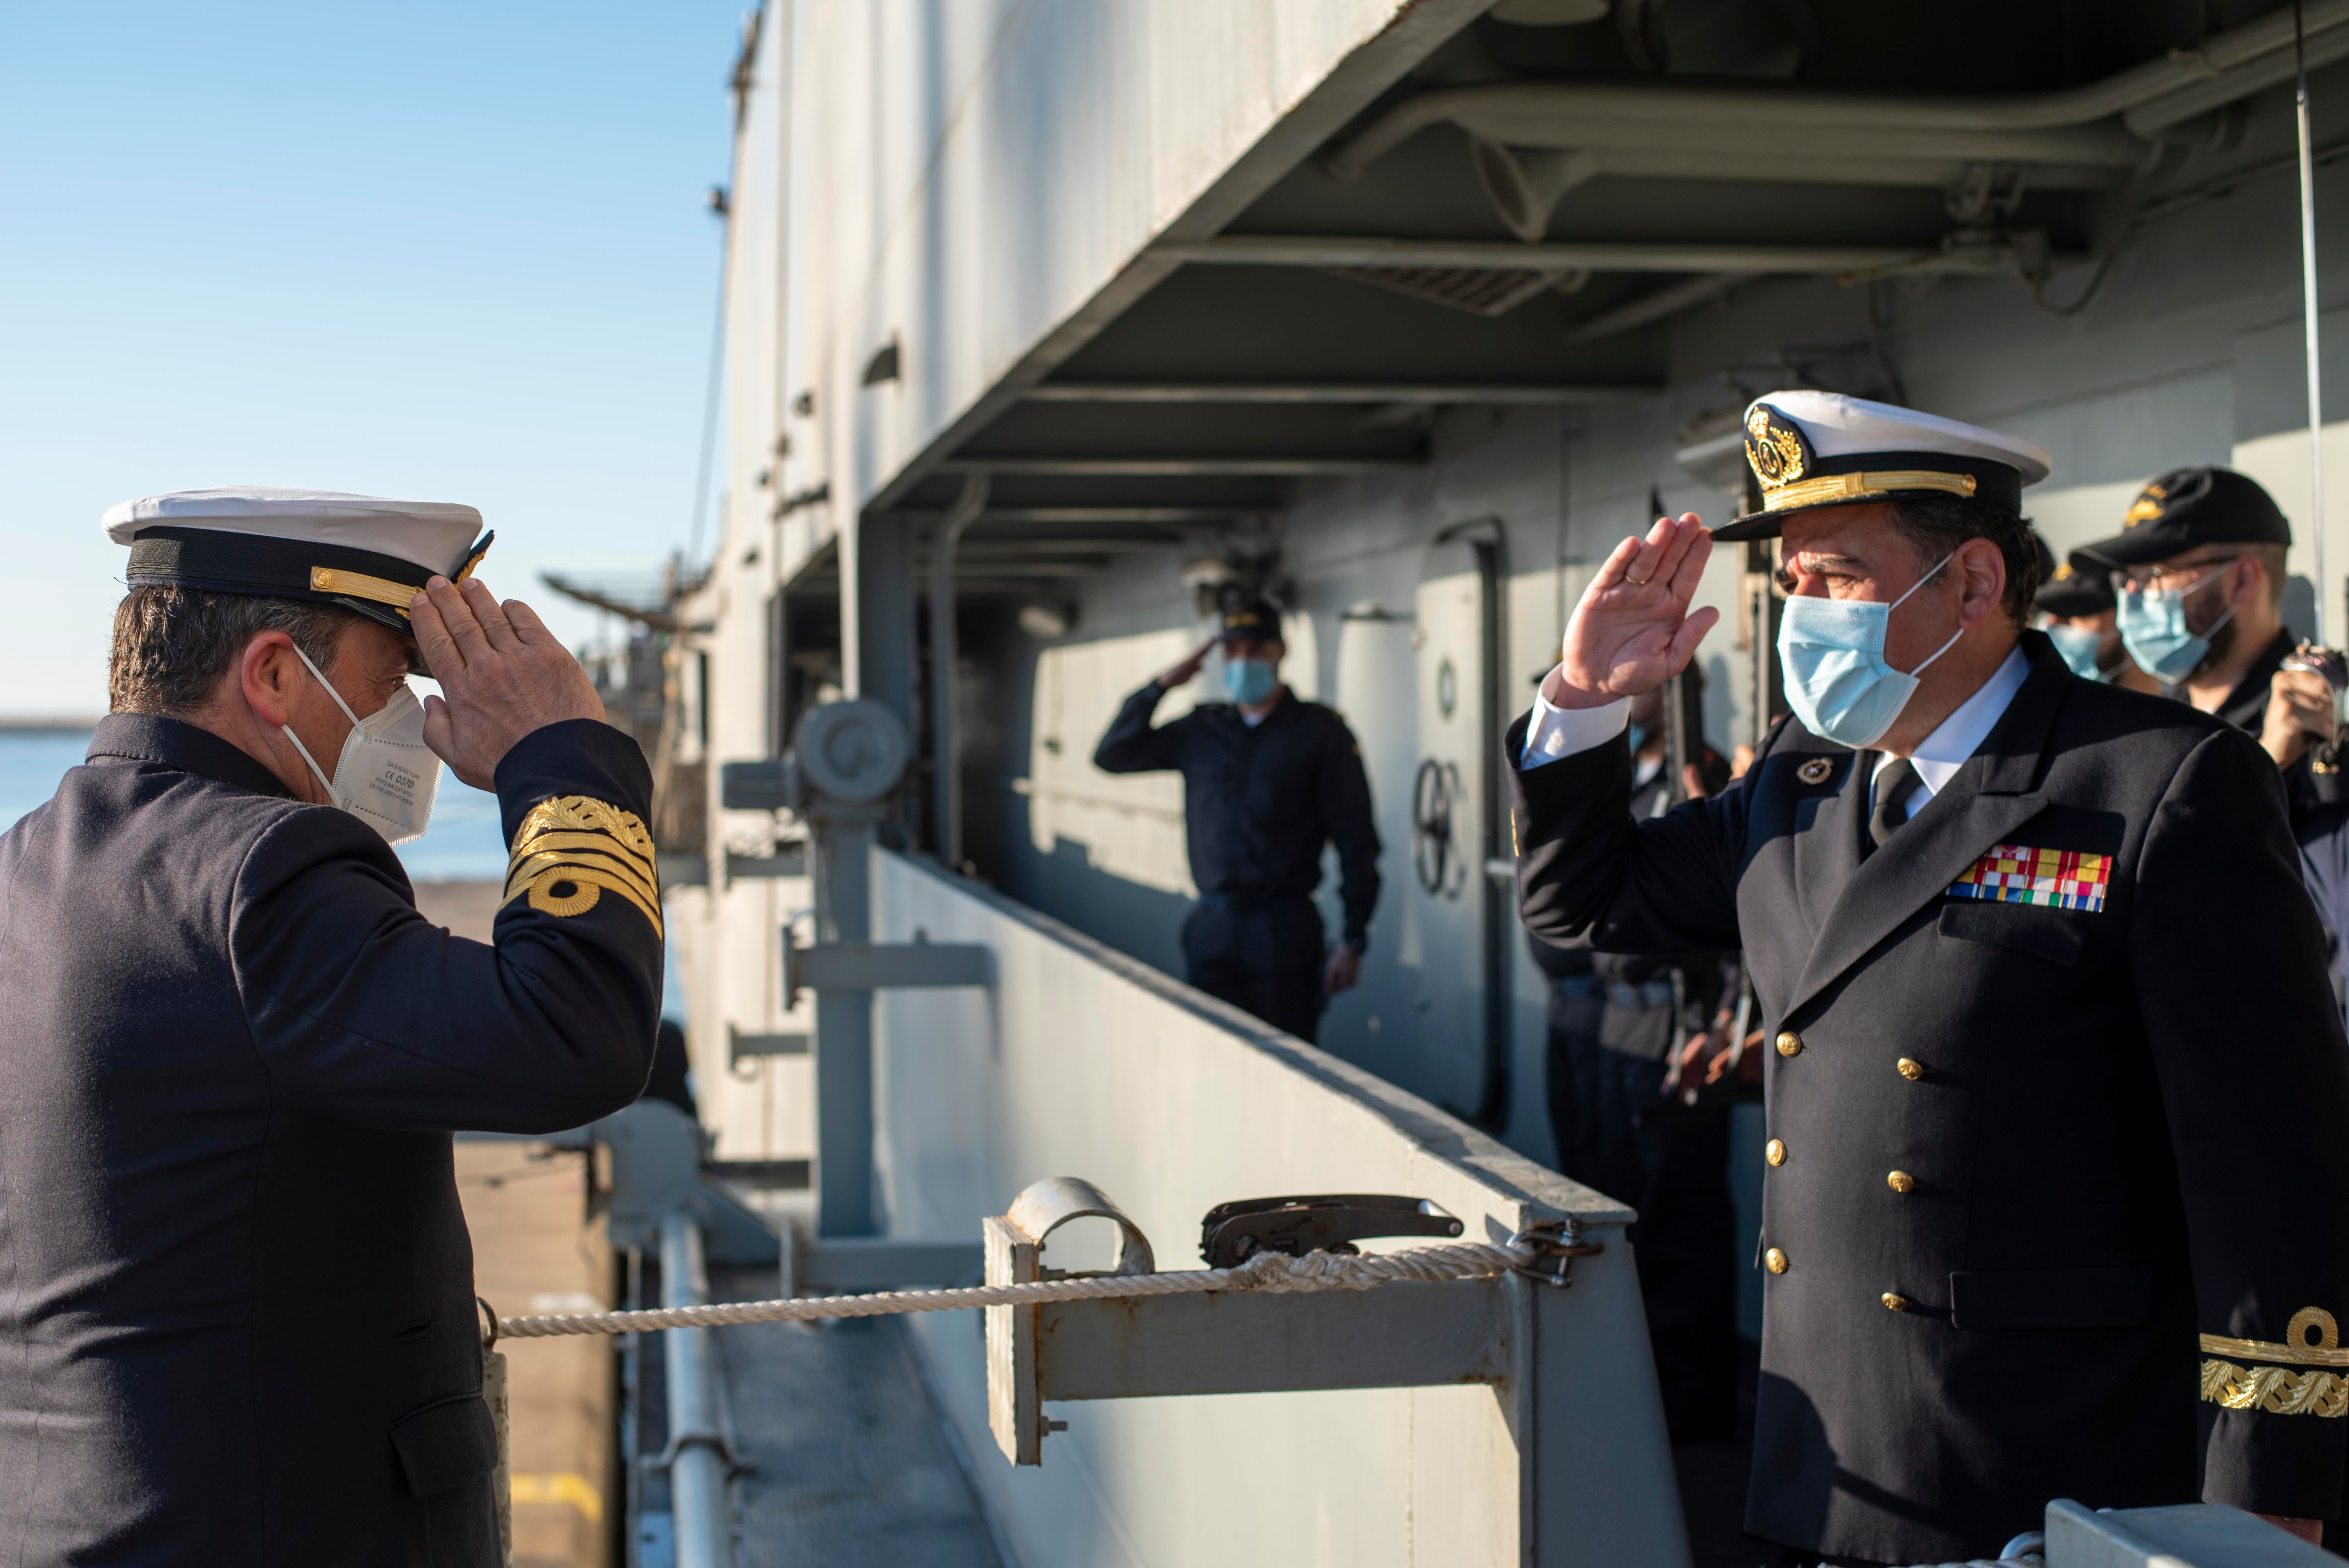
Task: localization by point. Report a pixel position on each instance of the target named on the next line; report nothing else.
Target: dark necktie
(1893, 788)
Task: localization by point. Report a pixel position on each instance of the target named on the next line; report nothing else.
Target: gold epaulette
(573, 848)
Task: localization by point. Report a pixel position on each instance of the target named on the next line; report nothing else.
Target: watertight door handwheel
(1431, 824)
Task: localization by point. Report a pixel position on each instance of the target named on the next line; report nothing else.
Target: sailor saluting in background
(237, 1324)
(2040, 1188)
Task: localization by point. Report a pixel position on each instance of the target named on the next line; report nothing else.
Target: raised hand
(1632, 630)
(502, 672)
(2300, 712)
(1180, 674)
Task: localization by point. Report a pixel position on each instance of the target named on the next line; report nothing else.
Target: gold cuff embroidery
(1854, 486)
(2278, 1389)
(525, 867)
(571, 850)
(2275, 1389)
(585, 884)
(583, 813)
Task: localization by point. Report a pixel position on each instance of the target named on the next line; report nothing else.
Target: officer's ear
(1979, 568)
(269, 675)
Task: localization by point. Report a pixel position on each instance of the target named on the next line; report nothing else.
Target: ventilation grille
(1485, 291)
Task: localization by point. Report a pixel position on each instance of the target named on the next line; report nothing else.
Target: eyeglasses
(2169, 577)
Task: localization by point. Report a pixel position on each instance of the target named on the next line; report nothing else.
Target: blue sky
(457, 252)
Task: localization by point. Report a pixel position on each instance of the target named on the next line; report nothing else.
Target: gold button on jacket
(1900, 1181)
(1909, 1069)
(1775, 1260)
(1789, 1043)
(1775, 1151)
(1895, 1303)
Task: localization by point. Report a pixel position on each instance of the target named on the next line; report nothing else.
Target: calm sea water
(467, 842)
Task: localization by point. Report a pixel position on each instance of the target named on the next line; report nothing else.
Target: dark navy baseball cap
(1251, 621)
(2185, 509)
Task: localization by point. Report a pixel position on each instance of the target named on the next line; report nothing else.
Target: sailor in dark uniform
(1269, 780)
(239, 1324)
(2039, 1193)
(2199, 567)
(2077, 611)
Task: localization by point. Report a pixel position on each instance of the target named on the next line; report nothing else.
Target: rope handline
(1275, 1271)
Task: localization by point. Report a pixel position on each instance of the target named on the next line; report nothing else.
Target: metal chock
(1236, 1232)
(1556, 1244)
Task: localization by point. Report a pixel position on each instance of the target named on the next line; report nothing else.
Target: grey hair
(172, 646)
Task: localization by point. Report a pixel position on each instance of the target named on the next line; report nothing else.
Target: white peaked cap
(432, 535)
(1840, 427)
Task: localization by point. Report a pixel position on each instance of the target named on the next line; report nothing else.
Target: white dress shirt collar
(1939, 756)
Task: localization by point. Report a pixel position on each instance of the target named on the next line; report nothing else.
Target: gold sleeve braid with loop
(571, 850)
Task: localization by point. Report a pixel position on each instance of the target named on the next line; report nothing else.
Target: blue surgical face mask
(2079, 647)
(1249, 681)
(1832, 654)
(2153, 630)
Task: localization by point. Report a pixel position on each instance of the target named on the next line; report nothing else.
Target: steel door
(1453, 823)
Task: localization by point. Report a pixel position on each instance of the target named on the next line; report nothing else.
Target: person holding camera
(2199, 571)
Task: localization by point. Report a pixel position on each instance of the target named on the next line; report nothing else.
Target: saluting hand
(1180, 674)
(1633, 631)
(501, 673)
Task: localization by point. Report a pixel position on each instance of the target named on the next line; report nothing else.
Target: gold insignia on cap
(2147, 507)
(2063, 573)
(1815, 771)
(1775, 445)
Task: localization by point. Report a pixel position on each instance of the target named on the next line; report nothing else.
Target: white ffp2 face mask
(386, 776)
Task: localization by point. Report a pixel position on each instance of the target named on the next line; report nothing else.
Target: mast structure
(2308, 307)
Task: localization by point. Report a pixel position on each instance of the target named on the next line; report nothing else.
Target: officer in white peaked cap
(2018, 1234)
(240, 1324)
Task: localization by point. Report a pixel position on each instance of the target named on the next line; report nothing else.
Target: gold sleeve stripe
(2268, 1350)
(2295, 1350)
(2275, 1389)
(527, 867)
(602, 841)
(585, 884)
(542, 851)
(571, 850)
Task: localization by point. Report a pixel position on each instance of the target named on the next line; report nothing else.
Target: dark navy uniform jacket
(2027, 1149)
(237, 1321)
(1259, 801)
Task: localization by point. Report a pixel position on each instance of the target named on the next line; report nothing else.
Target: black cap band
(1858, 478)
(378, 587)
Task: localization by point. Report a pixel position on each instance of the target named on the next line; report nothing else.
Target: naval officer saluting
(2040, 1188)
(237, 1323)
